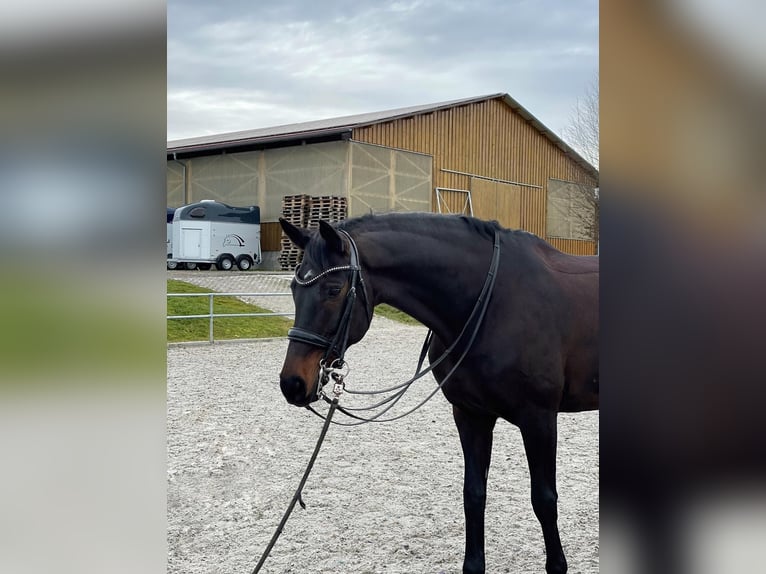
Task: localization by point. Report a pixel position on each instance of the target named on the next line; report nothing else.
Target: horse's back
(540, 339)
(566, 263)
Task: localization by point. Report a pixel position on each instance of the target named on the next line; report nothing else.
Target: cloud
(243, 65)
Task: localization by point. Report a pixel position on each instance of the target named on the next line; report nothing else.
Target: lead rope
(297, 495)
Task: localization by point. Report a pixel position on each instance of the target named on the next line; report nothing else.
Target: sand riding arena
(382, 498)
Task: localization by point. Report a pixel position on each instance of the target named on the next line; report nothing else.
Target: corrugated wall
(487, 139)
(573, 246)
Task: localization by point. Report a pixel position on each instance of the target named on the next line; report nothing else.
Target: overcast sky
(243, 64)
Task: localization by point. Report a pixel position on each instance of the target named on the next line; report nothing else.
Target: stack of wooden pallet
(294, 210)
(307, 211)
(327, 208)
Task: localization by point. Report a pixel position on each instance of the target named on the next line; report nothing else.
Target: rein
(297, 495)
(335, 370)
(339, 344)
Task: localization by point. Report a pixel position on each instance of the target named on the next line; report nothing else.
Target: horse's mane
(415, 222)
(423, 222)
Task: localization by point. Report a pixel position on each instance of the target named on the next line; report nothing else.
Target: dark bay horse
(534, 355)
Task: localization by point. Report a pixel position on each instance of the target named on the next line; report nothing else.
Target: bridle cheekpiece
(337, 345)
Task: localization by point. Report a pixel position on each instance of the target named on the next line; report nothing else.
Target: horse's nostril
(293, 388)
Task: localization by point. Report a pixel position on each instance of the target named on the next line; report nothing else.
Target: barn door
(508, 205)
(496, 200)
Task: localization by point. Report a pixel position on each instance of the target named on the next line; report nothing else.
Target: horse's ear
(298, 236)
(331, 236)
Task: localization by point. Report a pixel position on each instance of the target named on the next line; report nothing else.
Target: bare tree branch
(586, 210)
(582, 132)
(583, 135)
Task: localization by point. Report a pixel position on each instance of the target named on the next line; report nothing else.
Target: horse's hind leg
(538, 429)
(476, 439)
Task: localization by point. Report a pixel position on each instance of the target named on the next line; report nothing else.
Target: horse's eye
(333, 292)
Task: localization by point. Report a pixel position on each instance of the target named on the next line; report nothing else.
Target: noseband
(338, 344)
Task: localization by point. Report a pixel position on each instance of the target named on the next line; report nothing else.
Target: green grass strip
(181, 330)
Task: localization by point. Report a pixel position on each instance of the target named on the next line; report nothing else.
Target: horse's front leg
(476, 439)
(538, 429)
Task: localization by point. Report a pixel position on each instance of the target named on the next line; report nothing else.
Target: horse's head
(332, 309)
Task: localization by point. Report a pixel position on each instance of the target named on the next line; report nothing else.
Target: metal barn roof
(342, 127)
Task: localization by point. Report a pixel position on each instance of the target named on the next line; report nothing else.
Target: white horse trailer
(210, 232)
(169, 241)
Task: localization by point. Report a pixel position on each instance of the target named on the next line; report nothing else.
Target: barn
(486, 156)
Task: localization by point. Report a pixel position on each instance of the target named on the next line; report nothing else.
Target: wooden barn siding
(573, 246)
(271, 234)
(488, 139)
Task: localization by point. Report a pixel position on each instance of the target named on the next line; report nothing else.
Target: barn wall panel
(508, 205)
(573, 246)
(231, 178)
(176, 191)
(484, 197)
(488, 139)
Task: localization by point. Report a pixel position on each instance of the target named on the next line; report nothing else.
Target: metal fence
(211, 315)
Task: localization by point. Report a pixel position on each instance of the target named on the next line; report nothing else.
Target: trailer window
(197, 212)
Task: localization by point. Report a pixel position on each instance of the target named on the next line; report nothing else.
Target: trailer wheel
(244, 262)
(225, 262)
(172, 265)
(191, 266)
(204, 266)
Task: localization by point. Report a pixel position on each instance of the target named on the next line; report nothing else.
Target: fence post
(211, 318)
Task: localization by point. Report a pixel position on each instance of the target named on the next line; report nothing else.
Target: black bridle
(336, 346)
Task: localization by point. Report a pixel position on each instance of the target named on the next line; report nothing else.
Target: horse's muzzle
(294, 390)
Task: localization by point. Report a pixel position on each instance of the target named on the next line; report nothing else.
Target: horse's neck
(434, 279)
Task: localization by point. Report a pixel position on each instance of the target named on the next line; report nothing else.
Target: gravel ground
(382, 498)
